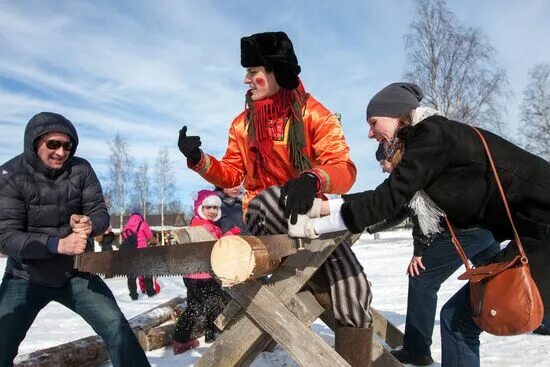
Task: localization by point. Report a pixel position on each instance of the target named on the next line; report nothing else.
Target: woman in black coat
(444, 170)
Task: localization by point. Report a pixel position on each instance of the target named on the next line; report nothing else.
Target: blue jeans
(459, 332)
(441, 261)
(85, 294)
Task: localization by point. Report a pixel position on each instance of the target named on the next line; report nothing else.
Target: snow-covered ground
(384, 260)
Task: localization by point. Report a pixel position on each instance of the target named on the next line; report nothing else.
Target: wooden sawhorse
(280, 311)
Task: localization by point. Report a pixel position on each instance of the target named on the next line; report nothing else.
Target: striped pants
(349, 288)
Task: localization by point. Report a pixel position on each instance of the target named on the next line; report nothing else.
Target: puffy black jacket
(446, 159)
(37, 203)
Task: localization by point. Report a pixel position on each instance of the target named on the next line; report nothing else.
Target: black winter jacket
(446, 159)
(37, 202)
(232, 213)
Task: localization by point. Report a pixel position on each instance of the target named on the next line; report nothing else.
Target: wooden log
(90, 351)
(177, 311)
(157, 337)
(192, 234)
(236, 259)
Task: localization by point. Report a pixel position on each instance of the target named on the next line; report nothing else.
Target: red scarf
(275, 109)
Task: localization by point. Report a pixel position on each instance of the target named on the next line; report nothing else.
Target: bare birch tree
(453, 66)
(120, 173)
(142, 188)
(535, 111)
(164, 179)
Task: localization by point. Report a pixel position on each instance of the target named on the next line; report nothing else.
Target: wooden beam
(304, 307)
(306, 348)
(385, 330)
(381, 357)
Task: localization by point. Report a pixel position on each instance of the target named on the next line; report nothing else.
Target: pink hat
(206, 198)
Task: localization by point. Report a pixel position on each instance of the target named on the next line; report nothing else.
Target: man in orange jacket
(286, 138)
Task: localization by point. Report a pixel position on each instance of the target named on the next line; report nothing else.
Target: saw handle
(77, 261)
(299, 244)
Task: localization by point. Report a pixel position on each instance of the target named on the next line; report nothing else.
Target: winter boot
(211, 334)
(542, 330)
(355, 345)
(410, 357)
(179, 347)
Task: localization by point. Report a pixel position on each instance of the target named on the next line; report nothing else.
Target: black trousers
(205, 301)
(149, 286)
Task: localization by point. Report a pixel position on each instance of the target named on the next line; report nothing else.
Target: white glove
(304, 227)
(315, 211)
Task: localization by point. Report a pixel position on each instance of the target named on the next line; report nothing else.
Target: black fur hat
(274, 51)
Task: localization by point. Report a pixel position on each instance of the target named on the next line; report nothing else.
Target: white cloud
(143, 69)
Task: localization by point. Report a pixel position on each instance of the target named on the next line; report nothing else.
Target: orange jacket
(325, 147)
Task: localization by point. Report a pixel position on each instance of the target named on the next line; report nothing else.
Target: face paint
(260, 82)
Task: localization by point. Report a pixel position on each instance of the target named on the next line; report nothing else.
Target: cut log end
(233, 260)
(236, 259)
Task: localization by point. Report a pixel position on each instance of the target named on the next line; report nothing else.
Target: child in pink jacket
(138, 225)
(205, 297)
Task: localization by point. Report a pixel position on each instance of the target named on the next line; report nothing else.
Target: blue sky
(145, 68)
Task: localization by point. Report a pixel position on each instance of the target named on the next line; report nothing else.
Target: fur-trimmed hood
(427, 212)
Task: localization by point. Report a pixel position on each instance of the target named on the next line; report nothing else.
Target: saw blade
(162, 260)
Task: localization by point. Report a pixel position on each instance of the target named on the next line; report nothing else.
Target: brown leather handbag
(503, 296)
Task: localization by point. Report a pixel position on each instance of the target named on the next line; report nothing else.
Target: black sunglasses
(55, 144)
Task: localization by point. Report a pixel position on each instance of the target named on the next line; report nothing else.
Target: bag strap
(131, 231)
(519, 245)
(139, 225)
(458, 247)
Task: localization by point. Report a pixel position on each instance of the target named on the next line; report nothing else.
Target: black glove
(299, 194)
(189, 146)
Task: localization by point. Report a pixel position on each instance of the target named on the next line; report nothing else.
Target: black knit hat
(274, 51)
(395, 100)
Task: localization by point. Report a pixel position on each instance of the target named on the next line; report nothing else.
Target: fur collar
(427, 212)
(419, 114)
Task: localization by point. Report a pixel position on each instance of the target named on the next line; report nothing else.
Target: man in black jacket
(52, 203)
